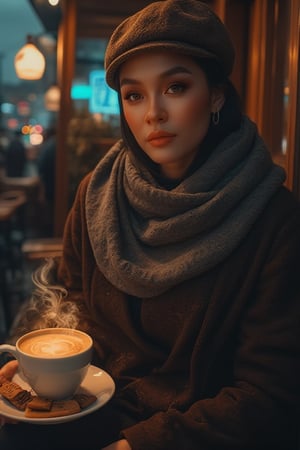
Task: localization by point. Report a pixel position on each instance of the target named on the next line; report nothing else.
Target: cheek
(127, 115)
(132, 118)
(195, 119)
(198, 110)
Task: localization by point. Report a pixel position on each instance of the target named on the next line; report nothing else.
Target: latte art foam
(53, 345)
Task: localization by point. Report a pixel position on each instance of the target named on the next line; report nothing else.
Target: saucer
(96, 382)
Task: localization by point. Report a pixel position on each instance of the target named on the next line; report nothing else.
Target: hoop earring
(215, 117)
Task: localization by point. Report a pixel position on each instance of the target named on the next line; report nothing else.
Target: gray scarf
(147, 239)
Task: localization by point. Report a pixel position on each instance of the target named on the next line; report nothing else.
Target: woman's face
(167, 105)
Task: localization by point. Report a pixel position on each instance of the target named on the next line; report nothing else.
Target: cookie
(58, 408)
(12, 392)
(9, 389)
(84, 400)
(40, 404)
(41, 407)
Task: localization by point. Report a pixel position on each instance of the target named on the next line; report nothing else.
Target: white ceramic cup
(54, 361)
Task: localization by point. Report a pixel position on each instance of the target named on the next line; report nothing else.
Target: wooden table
(24, 183)
(41, 248)
(6, 211)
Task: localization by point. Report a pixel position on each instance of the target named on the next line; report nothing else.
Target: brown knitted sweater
(212, 363)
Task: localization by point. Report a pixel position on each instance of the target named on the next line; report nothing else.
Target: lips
(160, 138)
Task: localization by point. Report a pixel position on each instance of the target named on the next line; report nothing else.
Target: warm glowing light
(53, 2)
(37, 129)
(52, 98)
(26, 129)
(36, 139)
(30, 62)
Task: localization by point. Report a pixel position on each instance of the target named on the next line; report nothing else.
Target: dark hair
(231, 112)
(230, 120)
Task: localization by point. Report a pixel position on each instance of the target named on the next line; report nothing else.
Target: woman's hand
(118, 445)
(8, 371)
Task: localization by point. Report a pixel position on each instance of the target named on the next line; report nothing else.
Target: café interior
(69, 94)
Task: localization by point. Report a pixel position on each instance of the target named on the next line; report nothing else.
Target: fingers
(9, 369)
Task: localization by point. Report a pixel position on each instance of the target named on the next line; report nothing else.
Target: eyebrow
(172, 71)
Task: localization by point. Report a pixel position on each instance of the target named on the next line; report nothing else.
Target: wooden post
(66, 48)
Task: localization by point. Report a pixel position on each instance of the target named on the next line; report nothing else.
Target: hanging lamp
(30, 62)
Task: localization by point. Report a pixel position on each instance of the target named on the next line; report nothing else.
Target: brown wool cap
(186, 26)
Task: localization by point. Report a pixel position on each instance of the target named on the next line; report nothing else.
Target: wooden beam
(65, 64)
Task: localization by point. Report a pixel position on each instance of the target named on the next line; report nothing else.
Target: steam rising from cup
(48, 306)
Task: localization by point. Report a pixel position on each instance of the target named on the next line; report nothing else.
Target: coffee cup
(54, 361)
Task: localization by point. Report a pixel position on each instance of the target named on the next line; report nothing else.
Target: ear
(217, 99)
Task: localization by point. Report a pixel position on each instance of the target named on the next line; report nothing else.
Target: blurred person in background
(3, 144)
(46, 170)
(15, 156)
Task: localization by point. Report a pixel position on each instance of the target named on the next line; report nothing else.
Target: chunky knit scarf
(147, 239)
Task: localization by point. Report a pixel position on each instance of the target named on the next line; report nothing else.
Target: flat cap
(186, 26)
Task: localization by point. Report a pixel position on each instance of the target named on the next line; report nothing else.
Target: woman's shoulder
(282, 212)
(103, 162)
(287, 201)
(83, 185)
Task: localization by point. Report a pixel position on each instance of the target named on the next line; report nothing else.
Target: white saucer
(96, 382)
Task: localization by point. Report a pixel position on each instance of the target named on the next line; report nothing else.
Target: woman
(181, 253)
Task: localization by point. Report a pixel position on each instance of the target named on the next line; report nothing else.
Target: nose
(156, 111)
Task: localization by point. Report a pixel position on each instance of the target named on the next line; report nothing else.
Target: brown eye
(132, 97)
(176, 88)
